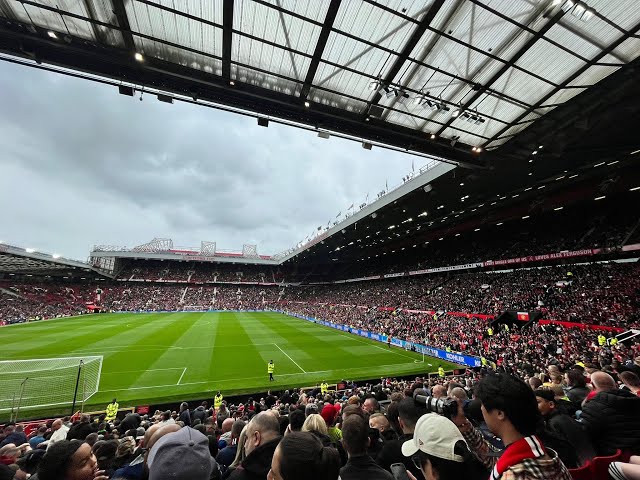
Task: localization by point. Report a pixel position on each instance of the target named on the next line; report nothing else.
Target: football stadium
(478, 318)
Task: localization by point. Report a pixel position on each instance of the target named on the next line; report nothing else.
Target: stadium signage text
(537, 258)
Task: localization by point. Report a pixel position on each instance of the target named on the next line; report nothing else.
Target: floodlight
(139, 57)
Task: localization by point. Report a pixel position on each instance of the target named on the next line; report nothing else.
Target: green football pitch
(164, 357)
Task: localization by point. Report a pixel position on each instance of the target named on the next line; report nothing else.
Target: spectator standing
(360, 466)
(263, 436)
(184, 416)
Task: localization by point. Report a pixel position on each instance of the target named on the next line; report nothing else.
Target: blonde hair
(315, 423)
(240, 454)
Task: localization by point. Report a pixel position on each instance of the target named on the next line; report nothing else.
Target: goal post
(48, 382)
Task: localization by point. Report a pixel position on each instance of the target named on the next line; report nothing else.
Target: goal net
(48, 382)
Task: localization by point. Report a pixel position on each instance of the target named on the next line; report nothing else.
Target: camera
(446, 407)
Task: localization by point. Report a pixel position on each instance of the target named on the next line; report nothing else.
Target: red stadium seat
(600, 465)
(582, 473)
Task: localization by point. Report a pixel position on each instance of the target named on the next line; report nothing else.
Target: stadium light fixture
(423, 214)
(477, 230)
(440, 207)
(631, 190)
(457, 235)
(263, 122)
(324, 135)
(515, 196)
(634, 152)
(391, 227)
(462, 184)
(525, 217)
(367, 145)
(52, 34)
(557, 209)
(232, 83)
(165, 98)
(433, 137)
(535, 152)
(29, 250)
(528, 188)
(499, 223)
(600, 198)
(139, 57)
(541, 187)
(598, 164)
(307, 104)
(441, 238)
(613, 163)
(560, 178)
(531, 160)
(55, 256)
(574, 175)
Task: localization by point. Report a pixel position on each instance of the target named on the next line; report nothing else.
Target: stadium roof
(467, 72)
(27, 261)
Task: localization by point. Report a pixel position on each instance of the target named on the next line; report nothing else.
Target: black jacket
(612, 419)
(577, 394)
(185, 417)
(257, 464)
(199, 414)
(572, 432)
(79, 431)
(363, 468)
(392, 453)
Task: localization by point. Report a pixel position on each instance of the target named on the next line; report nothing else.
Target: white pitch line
(303, 371)
(185, 369)
(142, 371)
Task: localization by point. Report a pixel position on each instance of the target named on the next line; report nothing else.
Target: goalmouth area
(163, 357)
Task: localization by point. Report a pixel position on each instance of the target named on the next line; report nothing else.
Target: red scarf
(527, 447)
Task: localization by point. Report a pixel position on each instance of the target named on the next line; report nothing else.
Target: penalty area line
(180, 379)
(303, 371)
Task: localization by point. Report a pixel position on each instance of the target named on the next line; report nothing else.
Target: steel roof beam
(332, 13)
(403, 56)
(227, 38)
(123, 21)
(568, 80)
(512, 61)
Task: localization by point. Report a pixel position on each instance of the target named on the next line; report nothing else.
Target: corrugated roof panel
(53, 21)
(357, 55)
(400, 118)
(343, 81)
(630, 48)
(564, 95)
(513, 130)
(549, 62)
(261, 55)
(263, 80)
(568, 39)
(374, 24)
(272, 25)
(498, 108)
(312, 9)
(174, 28)
(337, 101)
(593, 75)
(522, 86)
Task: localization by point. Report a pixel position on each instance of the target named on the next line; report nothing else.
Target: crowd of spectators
(526, 420)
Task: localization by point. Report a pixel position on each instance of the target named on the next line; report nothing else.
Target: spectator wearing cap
(562, 424)
(612, 417)
(301, 455)
(329, 414)
(262, 439)
(181, 455)
(226, 455)
(408, 415)
(510, 410)
(439, 449)
(69, 460)
(359, 466)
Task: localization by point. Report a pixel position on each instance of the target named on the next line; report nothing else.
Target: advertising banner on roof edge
(538, 258)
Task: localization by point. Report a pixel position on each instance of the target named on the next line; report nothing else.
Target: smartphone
(399, 471)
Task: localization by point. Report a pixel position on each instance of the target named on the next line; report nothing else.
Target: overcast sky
(82, 165)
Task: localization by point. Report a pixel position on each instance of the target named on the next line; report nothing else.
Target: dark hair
(576, 378)
(355, 435)
(296, 420)
(514, 397)
(284, 423)
(392, 416)
(409, 412)
(630, 378)
(548, 395)
(448, 469)
(303, 456)
(57, 460)
(352, 410)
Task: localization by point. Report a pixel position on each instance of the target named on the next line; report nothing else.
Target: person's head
(508, 405)
(459, 394)
(546, 401)
(92, 438)
(261, 429)
(329, 413)
(379, 422)
(315, 423)
(68, 460)
(181, 455)
(227, 424)
(184, 406)
(296, 420)
(439, 391)
(408, 414)
(355, 435)
(438, 449)
(392, 416)
(575, 378)
(371, 405)
(56, 425)
(631, 380)
(302, 455)
(352, 410)
(602, 382)
(166, 415)
(236, 429)
(535, 383)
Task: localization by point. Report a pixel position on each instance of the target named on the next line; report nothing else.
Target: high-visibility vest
(506, 327)
(484, 361)
(613, 341)
(112, 411)
(441, 372)
(217, 401)
(490, 331)
(447, 349)
(601, 340)
(270, 367)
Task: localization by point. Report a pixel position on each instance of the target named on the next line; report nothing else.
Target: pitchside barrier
(458, 358)
(48, 382)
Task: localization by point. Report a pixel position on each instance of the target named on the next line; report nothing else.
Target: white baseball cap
(434, 435)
